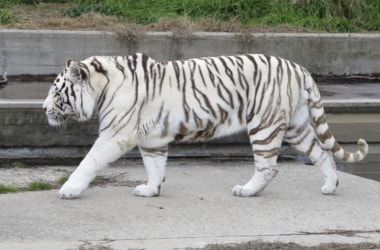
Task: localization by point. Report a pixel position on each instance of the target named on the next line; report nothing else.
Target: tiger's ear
(76, 71)
(68, 62)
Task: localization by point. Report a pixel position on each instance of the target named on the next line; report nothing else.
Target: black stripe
(162, 78)
(231, 100)
(241, 107)
(98, 66)
(227, 70)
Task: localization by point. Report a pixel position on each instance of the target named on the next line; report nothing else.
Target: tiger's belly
(190, 125)
(191, 132)
(209, 132)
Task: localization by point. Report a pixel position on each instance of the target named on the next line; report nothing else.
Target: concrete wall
(44, 52)
(23, 123)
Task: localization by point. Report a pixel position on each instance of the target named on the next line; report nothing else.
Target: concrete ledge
(42, 52)
(355, 105)
(20, 103)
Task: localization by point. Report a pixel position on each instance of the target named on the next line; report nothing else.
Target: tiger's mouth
(55, 119)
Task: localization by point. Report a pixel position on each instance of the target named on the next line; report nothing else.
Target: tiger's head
(70, 95)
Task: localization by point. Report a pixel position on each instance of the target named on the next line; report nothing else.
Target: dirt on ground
(260, 245)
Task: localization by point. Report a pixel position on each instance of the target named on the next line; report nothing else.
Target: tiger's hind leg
(155, 165)
(302, 136)
(266, 143)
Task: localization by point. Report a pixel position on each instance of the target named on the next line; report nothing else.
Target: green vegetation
(35, 186)
(6, 16)
(33, 1)
(4, 189)
(39, 185)
(317, 15)
(321, 15)
(18, 164)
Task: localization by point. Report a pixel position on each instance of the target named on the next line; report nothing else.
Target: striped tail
(323, 130)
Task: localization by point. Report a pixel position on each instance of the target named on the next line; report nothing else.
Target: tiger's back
(145, 103)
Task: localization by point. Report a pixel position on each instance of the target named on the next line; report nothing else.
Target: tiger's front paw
(146, 191)
(239, 190)
(244, 191)
(69, 191)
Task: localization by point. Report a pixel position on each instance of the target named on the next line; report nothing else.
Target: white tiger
(145, 103)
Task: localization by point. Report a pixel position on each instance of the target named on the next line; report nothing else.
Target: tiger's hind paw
(328, 189)
(330, 186)
(146, 191)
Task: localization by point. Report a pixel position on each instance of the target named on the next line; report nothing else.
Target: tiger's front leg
(103, 152)
(155, 165)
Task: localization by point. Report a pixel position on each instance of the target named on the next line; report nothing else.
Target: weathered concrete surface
(44, 52)
(196, 208)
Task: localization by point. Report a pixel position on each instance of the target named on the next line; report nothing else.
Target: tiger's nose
(45, 106)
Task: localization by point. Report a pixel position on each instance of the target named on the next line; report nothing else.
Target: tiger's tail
(323, 130)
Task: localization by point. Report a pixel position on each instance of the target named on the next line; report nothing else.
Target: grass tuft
(4, 189)
(36, 186)
(18, 164)
(6, 17)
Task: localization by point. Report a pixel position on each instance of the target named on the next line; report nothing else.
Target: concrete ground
(196, 208)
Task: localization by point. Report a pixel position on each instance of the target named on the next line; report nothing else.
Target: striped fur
(145, 103)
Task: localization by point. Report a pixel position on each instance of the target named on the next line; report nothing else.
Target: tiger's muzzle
(54, 116)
